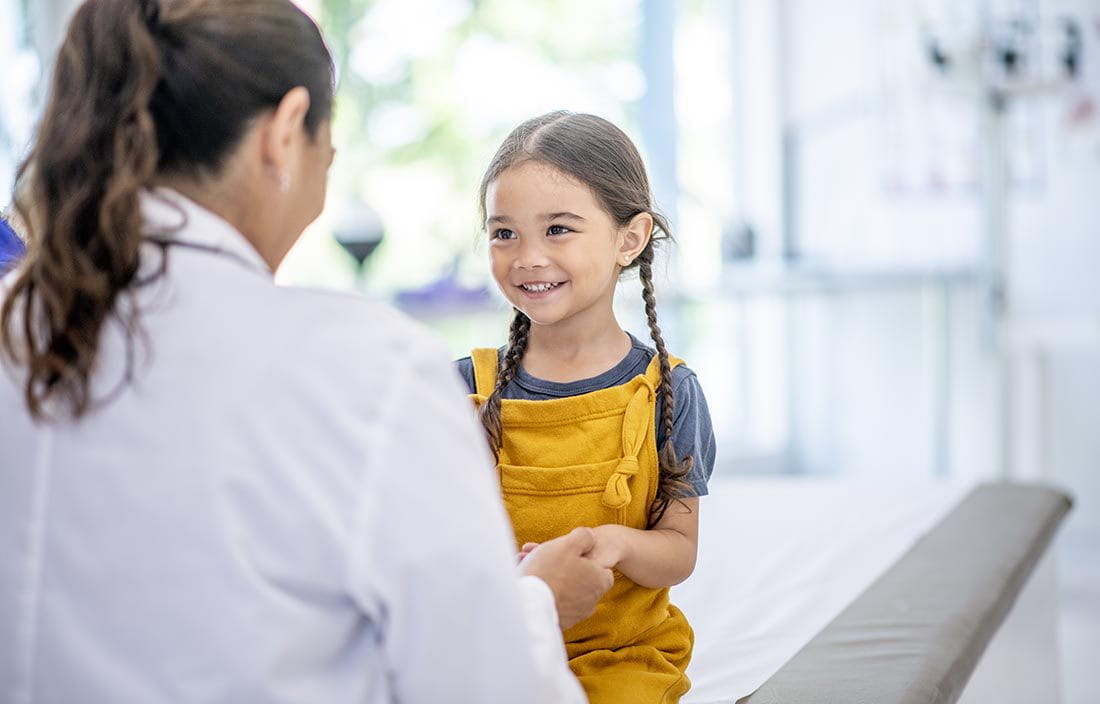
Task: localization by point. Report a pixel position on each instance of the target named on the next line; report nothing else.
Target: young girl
(590, 426)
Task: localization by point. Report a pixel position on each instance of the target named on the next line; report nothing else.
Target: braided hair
(490, 410)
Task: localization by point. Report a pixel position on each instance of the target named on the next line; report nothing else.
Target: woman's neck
(231, 196)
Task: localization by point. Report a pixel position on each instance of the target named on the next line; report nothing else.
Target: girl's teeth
(539, 288)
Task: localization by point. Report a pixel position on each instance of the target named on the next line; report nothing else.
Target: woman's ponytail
(78, 194)
(141, 88)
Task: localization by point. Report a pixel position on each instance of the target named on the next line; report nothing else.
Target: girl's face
(554, 252)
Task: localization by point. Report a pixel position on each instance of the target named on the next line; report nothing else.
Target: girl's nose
(530, 255)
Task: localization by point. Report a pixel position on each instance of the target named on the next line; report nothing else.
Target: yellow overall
(588, 460)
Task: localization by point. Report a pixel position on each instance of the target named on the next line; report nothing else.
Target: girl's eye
(503, 235)
(558, 230)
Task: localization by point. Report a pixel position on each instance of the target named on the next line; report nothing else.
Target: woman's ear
(285, 128)
(635, 237)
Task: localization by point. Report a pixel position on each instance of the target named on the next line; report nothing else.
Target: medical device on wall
(1007, 62)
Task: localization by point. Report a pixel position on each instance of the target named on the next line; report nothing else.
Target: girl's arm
(662, 556)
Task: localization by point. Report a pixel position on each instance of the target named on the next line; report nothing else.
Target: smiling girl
(590, 426)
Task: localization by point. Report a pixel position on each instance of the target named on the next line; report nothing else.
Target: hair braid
(490, 410)
(670, 484)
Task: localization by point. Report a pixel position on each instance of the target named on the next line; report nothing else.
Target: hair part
(131, 98)
(600, 155)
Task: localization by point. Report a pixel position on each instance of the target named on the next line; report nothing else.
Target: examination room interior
(887, 266)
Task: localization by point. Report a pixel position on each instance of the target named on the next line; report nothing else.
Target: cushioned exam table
(811, 592)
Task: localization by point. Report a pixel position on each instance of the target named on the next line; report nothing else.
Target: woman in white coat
(213, 489)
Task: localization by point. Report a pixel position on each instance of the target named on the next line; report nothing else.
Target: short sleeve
(465, 369)
(692, 431)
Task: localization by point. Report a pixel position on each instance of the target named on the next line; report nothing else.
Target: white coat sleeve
(434, 558)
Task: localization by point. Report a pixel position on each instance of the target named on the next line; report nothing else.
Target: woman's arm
(662, 556)
(459, 625)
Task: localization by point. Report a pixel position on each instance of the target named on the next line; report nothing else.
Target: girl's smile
(540, 289)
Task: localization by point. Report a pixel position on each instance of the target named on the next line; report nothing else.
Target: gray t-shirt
(692, 433)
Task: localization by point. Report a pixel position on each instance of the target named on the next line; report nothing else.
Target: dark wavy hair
(140, 89)
(600, 155)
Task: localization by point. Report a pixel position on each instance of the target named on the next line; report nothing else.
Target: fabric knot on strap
(617, 492)
(636, 422)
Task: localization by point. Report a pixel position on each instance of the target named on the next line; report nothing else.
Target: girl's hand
(611, 545)
(526, 550)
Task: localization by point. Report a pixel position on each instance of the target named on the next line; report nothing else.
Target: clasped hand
(577, 567)
(608, 550)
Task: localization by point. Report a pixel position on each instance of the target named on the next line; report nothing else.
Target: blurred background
(887, 213)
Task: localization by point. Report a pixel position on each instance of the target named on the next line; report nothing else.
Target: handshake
(577, 568)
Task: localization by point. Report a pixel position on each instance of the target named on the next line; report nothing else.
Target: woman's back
(232, 524)
(213, 489)
(188, 479)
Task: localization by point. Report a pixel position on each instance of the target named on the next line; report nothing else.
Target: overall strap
(637, 418)
(485, 361)
(653, 371)
(637, 422)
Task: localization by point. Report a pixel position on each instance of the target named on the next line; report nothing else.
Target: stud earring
(284, 183)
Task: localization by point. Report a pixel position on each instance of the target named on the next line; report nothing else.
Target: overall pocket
(546, 502)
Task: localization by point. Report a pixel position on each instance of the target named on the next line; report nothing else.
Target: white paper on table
(780, 558)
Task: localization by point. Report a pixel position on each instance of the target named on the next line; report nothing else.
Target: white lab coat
(289, 502)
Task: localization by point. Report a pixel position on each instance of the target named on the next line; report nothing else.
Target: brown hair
(141, 88)
(598, 154)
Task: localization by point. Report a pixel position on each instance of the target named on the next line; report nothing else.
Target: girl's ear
(635, 237)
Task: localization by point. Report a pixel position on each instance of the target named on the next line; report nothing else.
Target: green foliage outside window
(426, 90)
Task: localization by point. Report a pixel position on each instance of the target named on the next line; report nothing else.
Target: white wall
(866, 369)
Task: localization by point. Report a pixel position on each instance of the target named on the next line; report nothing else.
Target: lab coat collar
(169, 215)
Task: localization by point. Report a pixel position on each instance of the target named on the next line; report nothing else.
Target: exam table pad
(780, 559)
(915, 635)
